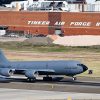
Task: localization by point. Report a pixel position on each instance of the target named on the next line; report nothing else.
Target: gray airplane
(46, 68)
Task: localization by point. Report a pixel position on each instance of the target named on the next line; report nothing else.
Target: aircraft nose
(85, 68)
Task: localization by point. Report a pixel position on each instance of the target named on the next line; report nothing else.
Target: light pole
(83, 2)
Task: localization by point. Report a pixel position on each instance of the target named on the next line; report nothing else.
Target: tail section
(3, 59)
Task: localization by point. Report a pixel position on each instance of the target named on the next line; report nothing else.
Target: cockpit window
(79, 64)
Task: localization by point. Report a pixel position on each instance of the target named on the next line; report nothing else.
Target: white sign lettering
(38, 22)
(80, 24)
(62, 23)
(98, 24)
(59, 23)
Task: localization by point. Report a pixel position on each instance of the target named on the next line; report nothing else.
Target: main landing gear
(31, 79)
(47, 78)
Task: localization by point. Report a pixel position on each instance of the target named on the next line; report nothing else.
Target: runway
(20, 94)
(82, 85)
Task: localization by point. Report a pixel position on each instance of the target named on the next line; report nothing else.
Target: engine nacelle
(31, 73)
(6, 72)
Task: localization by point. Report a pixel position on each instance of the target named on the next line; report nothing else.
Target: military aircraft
(46, 68)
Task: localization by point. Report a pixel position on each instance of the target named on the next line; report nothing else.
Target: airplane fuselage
(60, 67)
(32, 68)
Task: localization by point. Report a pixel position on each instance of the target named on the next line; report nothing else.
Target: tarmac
(77, 40)
(17, 88)
(10, 39)
(81, 85)
(20, 94)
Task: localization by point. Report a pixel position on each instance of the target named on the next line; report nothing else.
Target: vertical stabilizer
(3, 59)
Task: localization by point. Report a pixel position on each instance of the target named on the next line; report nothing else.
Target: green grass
(51, 48)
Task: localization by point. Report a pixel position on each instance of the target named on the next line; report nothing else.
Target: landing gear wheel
(31, 79)
(74, 78)
(47, 78)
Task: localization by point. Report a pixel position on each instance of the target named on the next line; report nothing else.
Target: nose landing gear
(74, 78)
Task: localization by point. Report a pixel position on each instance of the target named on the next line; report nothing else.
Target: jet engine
(31, 74)
(6, 72)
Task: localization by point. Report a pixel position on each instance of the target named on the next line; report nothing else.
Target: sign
(80, 24)
(38, 22)
(68, 24)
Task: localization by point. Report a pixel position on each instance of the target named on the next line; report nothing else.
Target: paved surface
(78, 40)
(10, 39)
(82, 85)
(20, 94)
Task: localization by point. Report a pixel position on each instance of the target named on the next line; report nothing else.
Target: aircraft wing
(35, 71)
(45, 71)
